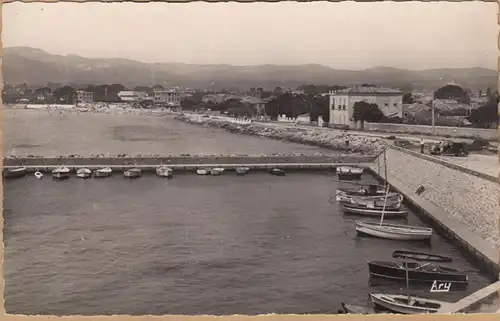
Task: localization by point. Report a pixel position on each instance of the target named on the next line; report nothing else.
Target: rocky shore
(332, 139)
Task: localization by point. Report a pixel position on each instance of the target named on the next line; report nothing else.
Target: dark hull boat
(277, 172)
(419, 256)
(416, 272)
(15, 172)
(374, 212)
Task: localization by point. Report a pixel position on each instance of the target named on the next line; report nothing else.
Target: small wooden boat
(83, 173)
(393, 203)
(133, 173)
(348, 172)
(242, 170)
(216, 171)
(15, 172)
(416, 272)
(377, 212)
(355, 309)
(394, 231)
(419, 256)
(372, 190)
(164, 171)
(406, 304)
(202, 171)
(61, 173)
(277, 172)
(38, 175)
(103, 172)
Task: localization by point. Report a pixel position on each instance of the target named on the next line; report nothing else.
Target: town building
(84, 96)
(167, 98)
(132, 96)
(341, 104)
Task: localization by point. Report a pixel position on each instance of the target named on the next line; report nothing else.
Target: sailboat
(393, 231)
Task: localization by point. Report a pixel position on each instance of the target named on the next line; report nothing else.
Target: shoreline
(358, 145)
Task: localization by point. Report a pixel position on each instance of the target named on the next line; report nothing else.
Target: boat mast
(385, 204)
(385, 167)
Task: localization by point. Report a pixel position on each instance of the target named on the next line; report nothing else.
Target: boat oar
(385, 203)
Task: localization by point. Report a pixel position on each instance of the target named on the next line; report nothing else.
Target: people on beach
(422, 144)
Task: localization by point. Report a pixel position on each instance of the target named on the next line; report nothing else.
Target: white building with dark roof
(390, 102)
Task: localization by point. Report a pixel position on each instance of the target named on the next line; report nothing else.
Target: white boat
(242, 170)
(349, 172)
(406, 304)
(61, 172)
(103, 172)
(202, 171)
(38, 175)
(355, 309)
(216, 171)
(132, 173)
(164, 171)
(376, 212)
(83, 173)
(394, 231)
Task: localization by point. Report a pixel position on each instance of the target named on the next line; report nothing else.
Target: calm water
(191, 245)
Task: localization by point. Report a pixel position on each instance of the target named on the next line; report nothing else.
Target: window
(343, 107)
(340, 106)
(386, 104)
(395, 105)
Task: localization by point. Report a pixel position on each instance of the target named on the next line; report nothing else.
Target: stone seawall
(310, 136)
(186, 160)
(466, 205)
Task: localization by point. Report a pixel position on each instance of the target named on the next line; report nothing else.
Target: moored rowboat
(356, 309)
(103, 172)
(133, 173)
(349, 172)
(394, 231)
(61, 173)
(15, 172)
(419, 256)
(277, 172)
(164, 171)
(242, 170)
(416, 272)
(202, 171)
(216, 171)
(405, 304)
(83, 173)
(377, 212)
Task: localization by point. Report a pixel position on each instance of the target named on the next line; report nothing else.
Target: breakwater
(188, 160)
(339, 141)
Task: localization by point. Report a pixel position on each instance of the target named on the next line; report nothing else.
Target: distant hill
(37, 67)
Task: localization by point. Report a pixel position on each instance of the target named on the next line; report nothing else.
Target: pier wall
(187, 160)
(463, 207)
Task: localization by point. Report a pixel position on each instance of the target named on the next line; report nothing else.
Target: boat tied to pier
(216, 171)
(349, 172)
(133, 173)
(420, 256)
(103, 172)
(394, 231)
(242, 170)
(277, 172)
(355, 309)
(372, 190)
(61, 173)
(83, 173)
(202, 171)
(15, 172)
(405, 304)
(164, 171)
(416, 272)
(374, 212)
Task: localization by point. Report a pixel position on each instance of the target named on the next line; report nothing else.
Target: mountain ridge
(35, 66)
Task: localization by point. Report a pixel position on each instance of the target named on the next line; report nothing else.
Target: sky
(346, 35)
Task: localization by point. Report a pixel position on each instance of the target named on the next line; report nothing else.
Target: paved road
(430, 139)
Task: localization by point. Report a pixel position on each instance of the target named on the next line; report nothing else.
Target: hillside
(37, 67)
